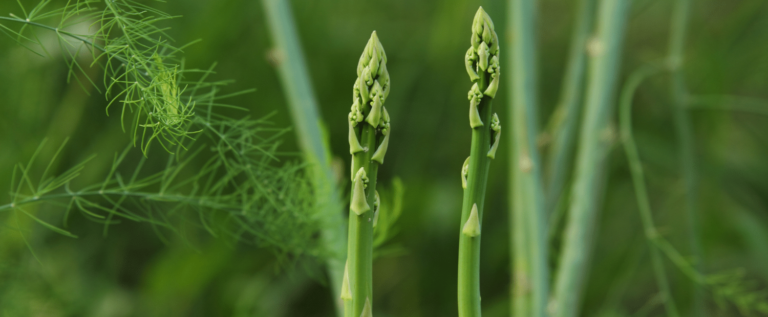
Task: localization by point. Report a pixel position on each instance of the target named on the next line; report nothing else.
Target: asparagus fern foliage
(369, 130)
(229, 185)
(482, 63)
(142, 68)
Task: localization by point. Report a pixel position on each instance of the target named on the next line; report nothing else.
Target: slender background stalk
(594, 140)
(565, 120)
(643, 202)
(528, 214)
(685, 138)
(302, 103)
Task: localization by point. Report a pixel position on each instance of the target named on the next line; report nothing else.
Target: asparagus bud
(474, 100)
(354, 144)
(464, 171)
(376, 205)
(346, 289)
(381, 151)
(472, 226)
(359, 202)
(367, 311)
(496, 127)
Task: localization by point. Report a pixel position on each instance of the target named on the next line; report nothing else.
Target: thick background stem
(528, 213)
(477, 177)
(594, 140)
(303, 107)
(685, 140)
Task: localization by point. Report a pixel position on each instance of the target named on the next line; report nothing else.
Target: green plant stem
(594, 140)
(684, 132)
(482, 64)
(641, 192)
(50, 28)
(369, 129)
(142, 195)
(360, 251)
(528, 214)
(521, 295)
(302, 103)
(727, 103)
(566, 116)
(477, 176)
(348, 307)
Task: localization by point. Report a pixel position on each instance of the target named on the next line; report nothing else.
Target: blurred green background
(132, 272)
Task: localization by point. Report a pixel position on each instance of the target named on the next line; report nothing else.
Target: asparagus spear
(482, 63)
(368, 141)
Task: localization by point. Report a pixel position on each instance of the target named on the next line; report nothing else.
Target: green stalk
(641, 192)
(521, 270)
(369, 130)
(566, 117)
(531, 274)
(594, 140)
(303, 107)
(482, 63)
(684, 133)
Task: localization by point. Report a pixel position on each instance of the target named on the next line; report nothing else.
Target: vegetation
(530, 274)
(303, 108)
(369, 130)
(482, 63)
(594, 140)
(141, 183)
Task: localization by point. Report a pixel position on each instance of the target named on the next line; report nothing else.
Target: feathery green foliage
(236, 194)
(229, 186)
(369, 131)
(142, 69)
(482, 64)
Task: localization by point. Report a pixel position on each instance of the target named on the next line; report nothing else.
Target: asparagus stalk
(684, 133)
(605, 51)
(482, 63)
(369, 132)
(303, 107)
(530, 270)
